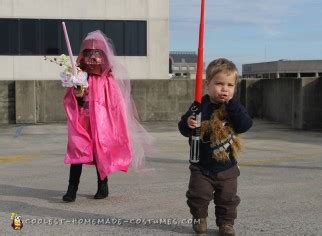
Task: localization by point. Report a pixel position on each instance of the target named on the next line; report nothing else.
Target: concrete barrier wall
(49, 100)
(161, 100)
(250, 94)
(26, 106)
(312, 103)
(277, 100)
(7, 102)
(297, 102)
(156, 100)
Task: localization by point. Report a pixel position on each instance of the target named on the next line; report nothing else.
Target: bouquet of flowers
(68, 79)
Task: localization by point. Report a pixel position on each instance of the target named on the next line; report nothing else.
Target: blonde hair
(220, 65)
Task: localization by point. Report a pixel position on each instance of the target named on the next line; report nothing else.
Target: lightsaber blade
(70, 53)
(196, 108)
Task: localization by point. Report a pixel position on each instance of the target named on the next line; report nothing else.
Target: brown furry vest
(222, 135)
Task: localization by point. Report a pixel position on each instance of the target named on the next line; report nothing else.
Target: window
(29, 37)
(134, 44)
(92, 25)
(115, 31)
(265, 76)
(9, 37)
(288, 75)
(307, 74)
(142, 38)
(50, 37)
(45, 36)
(273, 75)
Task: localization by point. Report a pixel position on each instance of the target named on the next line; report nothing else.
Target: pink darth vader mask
(92, 57)
(93, 61)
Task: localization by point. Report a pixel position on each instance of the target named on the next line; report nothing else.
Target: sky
(249, 31)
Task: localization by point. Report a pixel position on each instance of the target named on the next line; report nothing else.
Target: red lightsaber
(196, 108)
(198, 88)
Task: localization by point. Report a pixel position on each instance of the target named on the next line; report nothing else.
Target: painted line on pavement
(10, 159)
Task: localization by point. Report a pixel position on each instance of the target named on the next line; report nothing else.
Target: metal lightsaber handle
(195, 137)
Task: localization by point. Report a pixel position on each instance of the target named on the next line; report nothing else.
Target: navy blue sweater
(238, 118)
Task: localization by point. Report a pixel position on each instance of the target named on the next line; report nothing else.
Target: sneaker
(226, 230)
(199, 225)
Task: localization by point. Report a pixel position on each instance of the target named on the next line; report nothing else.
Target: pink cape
(101, 138)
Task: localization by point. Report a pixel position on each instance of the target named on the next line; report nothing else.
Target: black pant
(221, 187)
(75, 173)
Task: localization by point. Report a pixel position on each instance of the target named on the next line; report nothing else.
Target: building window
(186, 75)
(265, 76)
(288, 75)
(134, 44)
(307, 74)
(9, 40)
(29, 37)
(45, 36)
(50, 37)
(184, 68)
(115, 31)
(192, 68)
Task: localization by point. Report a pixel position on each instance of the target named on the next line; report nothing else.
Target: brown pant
(221, 187)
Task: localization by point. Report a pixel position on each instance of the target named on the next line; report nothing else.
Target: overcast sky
(248, 31)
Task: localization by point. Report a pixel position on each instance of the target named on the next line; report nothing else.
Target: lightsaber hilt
(195, 137)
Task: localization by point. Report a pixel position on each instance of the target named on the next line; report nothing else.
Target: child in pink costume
(102, 121)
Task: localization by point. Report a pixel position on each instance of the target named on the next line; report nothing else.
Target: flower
(67, 77)
(62, 60)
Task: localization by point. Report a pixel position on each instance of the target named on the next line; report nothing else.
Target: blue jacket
(238, 118)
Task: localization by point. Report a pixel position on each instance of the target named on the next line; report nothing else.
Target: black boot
(74, 176)
(70, 196)
(102, 188)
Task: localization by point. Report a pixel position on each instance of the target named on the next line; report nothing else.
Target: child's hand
(79, 91)
(191, 121)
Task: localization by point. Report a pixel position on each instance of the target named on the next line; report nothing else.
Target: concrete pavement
(280, 185)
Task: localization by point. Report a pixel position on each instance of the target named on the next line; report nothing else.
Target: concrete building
(283, 69)
(183, 64)
(31, 29)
